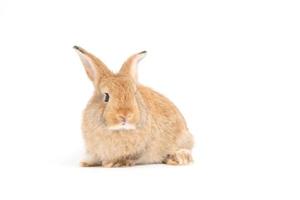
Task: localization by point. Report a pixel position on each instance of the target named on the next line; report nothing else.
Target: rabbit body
(133, 124)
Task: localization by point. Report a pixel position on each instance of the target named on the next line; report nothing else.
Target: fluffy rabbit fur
(126, 123)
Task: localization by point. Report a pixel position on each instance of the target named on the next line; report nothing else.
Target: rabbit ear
(94, 67)
(130, 65)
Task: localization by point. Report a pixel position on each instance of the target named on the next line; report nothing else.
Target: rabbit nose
(122, 118)
(125, 117)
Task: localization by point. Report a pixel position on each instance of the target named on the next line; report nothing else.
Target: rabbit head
(118, 102)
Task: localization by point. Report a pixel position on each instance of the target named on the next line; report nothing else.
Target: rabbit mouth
(122, 126)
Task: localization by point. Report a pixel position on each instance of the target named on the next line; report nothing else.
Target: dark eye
(106, 97)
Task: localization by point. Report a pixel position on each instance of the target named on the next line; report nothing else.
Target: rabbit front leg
(90, 161)
(125, 161)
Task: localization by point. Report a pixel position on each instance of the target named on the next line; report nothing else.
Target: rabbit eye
(106, 97)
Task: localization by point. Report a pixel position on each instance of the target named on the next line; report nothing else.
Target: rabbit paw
(90, 161)
(180, 157)
(124, 161)
(119, 163)
(90, 164)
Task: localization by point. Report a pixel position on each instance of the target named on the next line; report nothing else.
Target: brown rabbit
(126, 123)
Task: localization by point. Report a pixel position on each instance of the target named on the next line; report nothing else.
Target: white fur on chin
(122, 127)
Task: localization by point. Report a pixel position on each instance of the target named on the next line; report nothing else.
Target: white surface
(232, 67)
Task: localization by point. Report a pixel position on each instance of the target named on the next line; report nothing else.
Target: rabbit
(126, 123)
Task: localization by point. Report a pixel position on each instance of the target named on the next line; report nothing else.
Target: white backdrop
(232, 67)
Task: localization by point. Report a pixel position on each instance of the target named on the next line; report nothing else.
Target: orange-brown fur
(160, 134)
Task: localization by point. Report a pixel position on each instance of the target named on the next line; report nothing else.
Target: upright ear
(130, 65)
(94, 67)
